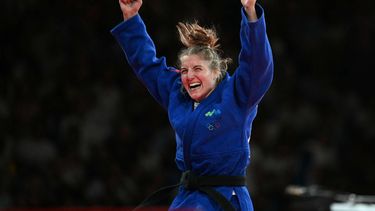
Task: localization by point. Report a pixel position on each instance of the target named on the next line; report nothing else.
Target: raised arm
(249, 6)
(140, 53)
(254, 75)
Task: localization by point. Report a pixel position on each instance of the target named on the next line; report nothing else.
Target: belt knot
(189, 180)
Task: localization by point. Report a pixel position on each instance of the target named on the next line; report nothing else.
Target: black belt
(205, 184)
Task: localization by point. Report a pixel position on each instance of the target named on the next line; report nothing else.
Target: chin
(195, 98)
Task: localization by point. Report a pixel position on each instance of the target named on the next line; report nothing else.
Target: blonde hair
(204, 43)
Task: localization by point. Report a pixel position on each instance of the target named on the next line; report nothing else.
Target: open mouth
(194, 86)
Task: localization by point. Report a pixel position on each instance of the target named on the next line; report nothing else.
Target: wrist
(128, 16)
(251, 13)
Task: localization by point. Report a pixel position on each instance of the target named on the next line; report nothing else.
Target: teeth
(194, 86)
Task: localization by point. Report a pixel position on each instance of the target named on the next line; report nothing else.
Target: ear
(219, 75)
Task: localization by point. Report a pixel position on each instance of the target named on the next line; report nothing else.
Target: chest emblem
(214, 112)
(213, 122)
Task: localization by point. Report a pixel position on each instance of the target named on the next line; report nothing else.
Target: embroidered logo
(214, 124)
(213, 112)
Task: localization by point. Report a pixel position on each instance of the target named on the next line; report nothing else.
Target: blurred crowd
(78, 129)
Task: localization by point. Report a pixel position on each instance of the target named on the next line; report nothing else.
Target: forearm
(255, 71)
(135, 42)
(251, 14)
(141, 55)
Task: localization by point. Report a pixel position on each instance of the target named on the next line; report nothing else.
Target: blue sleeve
(254, 74)
(140, 53)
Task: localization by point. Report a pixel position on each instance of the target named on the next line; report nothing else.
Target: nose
(190, 74)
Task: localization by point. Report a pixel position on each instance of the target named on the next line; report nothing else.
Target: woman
(210, 111)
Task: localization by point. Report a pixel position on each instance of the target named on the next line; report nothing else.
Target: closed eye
(183, 71)
(197, 69)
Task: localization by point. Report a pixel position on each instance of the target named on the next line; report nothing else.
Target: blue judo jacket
(212, 139)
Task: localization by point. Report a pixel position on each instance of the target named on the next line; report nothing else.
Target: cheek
(210, 80)
(184, 81)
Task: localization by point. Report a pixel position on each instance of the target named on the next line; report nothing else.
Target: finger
(127, 1)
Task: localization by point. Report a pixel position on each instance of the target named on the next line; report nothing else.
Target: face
(197, 78)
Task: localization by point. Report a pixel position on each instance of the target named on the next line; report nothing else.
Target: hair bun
(192, 34)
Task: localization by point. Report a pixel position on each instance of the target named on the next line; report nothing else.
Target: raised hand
(249, 6)
(130, 8)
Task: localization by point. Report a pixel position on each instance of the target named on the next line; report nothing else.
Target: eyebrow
(195, 66)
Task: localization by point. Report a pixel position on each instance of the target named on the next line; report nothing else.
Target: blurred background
(78, 129)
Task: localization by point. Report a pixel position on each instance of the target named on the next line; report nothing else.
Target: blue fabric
(214, 138)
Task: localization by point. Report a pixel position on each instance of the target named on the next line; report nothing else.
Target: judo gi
(213, 138)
